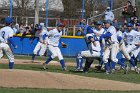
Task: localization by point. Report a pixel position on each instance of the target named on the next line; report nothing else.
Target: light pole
(36, 11)
(11, 6)
(83, 8)
(111, 4)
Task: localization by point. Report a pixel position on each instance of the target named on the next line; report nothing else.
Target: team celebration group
(103, 39)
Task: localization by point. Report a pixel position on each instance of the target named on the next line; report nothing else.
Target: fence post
(74, 28)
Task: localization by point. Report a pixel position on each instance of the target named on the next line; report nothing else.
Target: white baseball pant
(55, 52)
(41, 48)
(5, 47)
(124, 51)
(90, 54)
(111, 51)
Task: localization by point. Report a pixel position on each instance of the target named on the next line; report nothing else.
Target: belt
(128, 44)
(53, 45)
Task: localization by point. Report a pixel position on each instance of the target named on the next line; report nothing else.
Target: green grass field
(25, 90)
(119, 76)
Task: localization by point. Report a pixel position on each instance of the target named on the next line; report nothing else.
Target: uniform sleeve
(137, 33)
(124, 35)
(112, 30)
(120, 34)
(11, 33)
(112, 15)
(50, 33)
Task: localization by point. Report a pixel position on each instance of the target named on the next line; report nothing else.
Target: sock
(11, 65)
(100, 62)
(107, 66)
(123, 60)
(109, 62)
(132, 62)
(121, 63)
(62, 63)
(77, 63)
(48, 60)
(81, 62)
(113, 64)
(33, 56)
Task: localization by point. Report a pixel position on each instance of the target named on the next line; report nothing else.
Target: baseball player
(93, 46)
(53, 42)
(41, 46)
(111, 48)
(6, 38)
(130, 40)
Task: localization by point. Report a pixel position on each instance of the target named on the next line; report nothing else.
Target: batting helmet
(9, 20)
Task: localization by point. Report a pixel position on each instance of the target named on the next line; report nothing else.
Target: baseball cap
(108, 8)
(89, 29)
(99, 23)
(39, 27)
(9, 20)
(59, 24)
(108, 21)
(138, 24)
(129, 25)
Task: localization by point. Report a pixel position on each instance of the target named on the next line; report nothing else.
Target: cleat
(85, 71)
(79, 69)
(125, 69)
(44, 66)
(107, 72)
(137, 70)
(113, 71)
(98, 68)
(32, 61)
(64, 69)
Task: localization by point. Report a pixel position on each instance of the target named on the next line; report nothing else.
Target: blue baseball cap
(129, 25)
(138, 24)
(59, 24)
(89, 29)
(108, 21)
(39, 27)
(9, 20)
(99, 23)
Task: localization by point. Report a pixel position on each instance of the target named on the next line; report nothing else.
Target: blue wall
(74, 45)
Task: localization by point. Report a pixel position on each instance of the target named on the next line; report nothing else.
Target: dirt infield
(43, 79)
(38, 79)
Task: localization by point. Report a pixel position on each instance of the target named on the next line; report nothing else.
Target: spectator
(109, 14)
(21, 29)
(79, 32)
(16, 28)
(134, 21)
(115, 23)
(128, 10)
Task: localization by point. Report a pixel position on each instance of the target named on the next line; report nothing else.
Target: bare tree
(21, 8)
